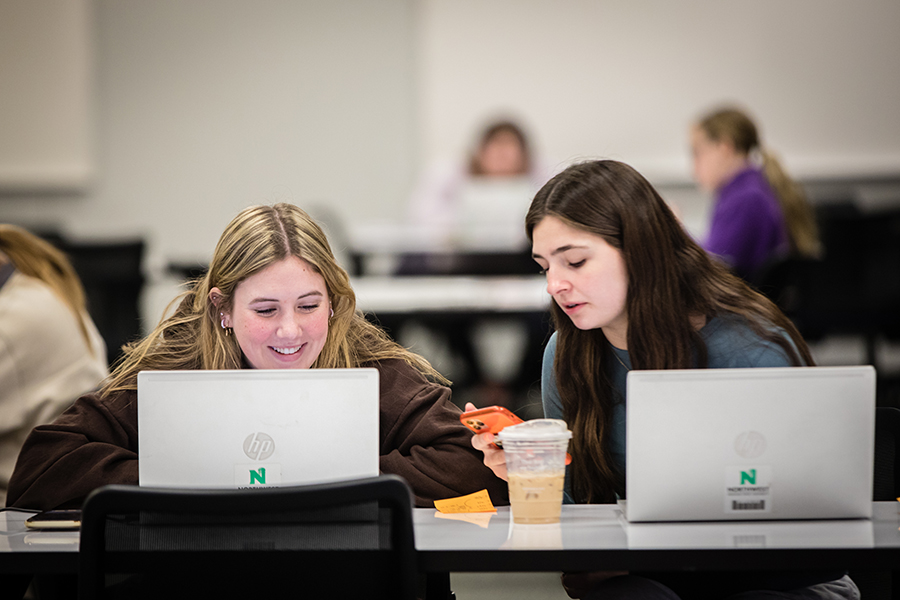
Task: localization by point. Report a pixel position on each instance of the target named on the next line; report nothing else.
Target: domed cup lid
(536, 430)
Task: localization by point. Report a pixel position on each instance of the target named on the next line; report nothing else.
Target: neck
(739, 163)
(617, 339)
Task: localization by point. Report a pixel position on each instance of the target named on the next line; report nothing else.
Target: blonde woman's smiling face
(280, 315)
(586, 277)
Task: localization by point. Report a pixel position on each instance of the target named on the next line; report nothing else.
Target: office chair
(886, 486)
(887, 454)
(352, 538)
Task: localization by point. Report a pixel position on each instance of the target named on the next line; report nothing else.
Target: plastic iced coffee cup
(536, 467)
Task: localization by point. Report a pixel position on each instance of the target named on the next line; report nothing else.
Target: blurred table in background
(497, 326)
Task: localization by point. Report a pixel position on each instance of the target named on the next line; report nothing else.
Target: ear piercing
(228, 330)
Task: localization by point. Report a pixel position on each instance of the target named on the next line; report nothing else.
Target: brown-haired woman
(632, 290)
(273, 297)
(50, 350)
(760, 214)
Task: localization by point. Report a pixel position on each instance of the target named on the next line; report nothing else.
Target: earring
(332, 312)
(228, 330)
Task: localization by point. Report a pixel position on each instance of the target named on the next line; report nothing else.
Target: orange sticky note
(477, 502)
(482, 519)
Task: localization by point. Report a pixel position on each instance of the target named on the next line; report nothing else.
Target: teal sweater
(730, 344)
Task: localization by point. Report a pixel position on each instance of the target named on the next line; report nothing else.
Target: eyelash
(575, 265)
(268, 311)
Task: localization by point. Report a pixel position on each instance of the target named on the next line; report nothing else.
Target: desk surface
(588, 537)
(591, 537)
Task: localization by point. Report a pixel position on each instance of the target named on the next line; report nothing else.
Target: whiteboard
(45, 95)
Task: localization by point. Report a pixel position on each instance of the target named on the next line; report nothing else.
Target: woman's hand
(494, 458)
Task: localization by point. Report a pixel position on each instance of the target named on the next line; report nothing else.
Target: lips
(570, 307)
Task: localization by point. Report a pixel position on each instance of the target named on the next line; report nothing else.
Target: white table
(589, 537)
(408, 295)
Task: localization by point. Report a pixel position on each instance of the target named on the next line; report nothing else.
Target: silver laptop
(738, 444)
(254, 428)
(492, 213)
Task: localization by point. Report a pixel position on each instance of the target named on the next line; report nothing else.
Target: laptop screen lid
(253, 428)
(738, 444)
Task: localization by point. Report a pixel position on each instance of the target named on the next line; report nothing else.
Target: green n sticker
(747, 477)
(260, 476)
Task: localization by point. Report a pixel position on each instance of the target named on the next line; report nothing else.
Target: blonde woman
(50, 350)
(273, 298)
(760, 214)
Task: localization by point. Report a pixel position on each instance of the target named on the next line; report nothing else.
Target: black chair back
(351, 538)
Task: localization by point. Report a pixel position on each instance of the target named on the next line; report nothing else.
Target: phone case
(491, 419)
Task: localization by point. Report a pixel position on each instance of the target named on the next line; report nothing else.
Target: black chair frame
(390, 491)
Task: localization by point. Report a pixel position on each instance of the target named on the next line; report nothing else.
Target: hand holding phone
(492, 419)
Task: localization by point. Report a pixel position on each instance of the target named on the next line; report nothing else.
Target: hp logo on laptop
(750, 444)
(259, 446)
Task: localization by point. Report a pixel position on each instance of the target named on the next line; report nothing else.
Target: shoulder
(397, 377)
(30, 298)
(550, 348)
(747, 188)
(42, 334)
(732, 342)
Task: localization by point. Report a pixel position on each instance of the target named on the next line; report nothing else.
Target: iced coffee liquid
(536, 498)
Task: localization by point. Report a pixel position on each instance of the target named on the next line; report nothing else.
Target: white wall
(206, 106)
(46, 95)
(625, 79)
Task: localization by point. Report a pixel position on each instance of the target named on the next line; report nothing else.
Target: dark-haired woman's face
(585, 275)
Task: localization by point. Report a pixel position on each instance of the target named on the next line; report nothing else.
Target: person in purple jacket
(760, 214)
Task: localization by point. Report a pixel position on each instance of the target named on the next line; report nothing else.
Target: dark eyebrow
(300, 297)
(560, 250)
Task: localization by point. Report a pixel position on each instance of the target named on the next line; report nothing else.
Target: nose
(289, 326)
(555, 283)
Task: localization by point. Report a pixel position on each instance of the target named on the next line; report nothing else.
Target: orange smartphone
(491, 419)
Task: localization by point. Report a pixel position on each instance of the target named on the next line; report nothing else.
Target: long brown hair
(670, 280)
(735, 127)
(37, 258)
(192, 338)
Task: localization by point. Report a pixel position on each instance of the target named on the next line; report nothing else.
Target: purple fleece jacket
(747, 228)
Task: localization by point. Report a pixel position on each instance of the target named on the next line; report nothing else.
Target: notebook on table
(254, 428)
(749, 444)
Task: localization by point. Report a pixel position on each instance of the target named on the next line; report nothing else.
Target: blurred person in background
(50, 350)
(760, 214)
(476, 205)
(502, 153)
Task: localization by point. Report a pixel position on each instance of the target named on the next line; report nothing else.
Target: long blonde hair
(192, 337)
(735, 127)
(37, 258)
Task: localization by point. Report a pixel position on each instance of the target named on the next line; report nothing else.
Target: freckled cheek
(319, 331)
(256, 333)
